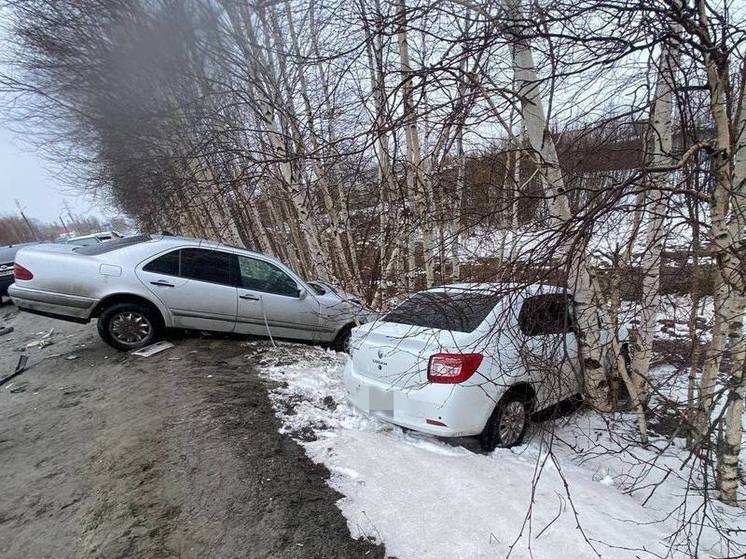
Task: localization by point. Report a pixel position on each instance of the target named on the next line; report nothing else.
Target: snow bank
(576, 489)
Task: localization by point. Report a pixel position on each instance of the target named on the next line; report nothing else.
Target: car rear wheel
(508, 423)
(127, 326)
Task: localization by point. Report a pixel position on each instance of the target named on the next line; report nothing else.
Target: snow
(579, 487)
(610, 236)
(426, 503)
(673, 317)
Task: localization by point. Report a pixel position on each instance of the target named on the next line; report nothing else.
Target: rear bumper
(56, 305)
(463, 410)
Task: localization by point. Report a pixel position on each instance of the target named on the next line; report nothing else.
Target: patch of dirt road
(104, 454)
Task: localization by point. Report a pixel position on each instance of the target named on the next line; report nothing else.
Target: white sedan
(467, 359)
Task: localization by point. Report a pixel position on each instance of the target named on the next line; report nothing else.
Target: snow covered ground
(580, 487)
(610, 236)
(673, 317)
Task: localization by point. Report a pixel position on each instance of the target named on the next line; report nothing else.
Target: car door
(549, 348)
(270, 302)
(196, 285)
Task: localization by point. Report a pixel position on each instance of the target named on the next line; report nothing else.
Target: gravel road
(104, 454)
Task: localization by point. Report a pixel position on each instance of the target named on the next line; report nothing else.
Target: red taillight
(21, 273)
(452, 368)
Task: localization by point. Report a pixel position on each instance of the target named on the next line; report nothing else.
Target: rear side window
(543, 315)
(167, 264)
(206, 265)
(461, 311)
(103, 248)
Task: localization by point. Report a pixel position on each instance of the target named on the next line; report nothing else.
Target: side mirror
(302, 293)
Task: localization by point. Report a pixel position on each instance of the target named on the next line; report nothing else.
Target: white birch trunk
(263, 236)
(516, 186)
(416, 184)
(344, 216)
(580, 280)
(730, 261)
(349, 274)
(541, 142)
(458, 197)
(659, 144)
(316, 255)
(389, 212)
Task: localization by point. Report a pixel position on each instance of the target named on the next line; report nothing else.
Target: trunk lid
(57, 268)
(398, 354)
(56, 248)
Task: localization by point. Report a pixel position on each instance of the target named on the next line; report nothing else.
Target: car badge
(380, 353)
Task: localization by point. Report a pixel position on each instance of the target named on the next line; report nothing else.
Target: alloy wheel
(512, 422)
(130, 328)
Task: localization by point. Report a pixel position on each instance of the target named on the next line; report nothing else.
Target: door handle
(248, 297)
(162, 283)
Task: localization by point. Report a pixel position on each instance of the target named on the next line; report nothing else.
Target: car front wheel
(508, 423)
(342, 341)
(128, 326)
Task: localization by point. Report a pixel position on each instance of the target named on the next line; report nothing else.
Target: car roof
(158, 243)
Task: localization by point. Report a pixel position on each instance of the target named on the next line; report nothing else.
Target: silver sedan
(139, 286)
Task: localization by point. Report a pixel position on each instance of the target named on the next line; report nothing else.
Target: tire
(498, 432)
(128, 326)
(342, 342)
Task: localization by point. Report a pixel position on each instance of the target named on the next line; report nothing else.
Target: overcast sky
(25, 176)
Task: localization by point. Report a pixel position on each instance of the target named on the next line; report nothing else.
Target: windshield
(461, 311)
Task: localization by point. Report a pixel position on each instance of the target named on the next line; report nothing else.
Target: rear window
(461, 311)
(89, 241)
(103, 248)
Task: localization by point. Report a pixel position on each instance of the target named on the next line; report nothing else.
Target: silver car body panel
(53, 303)
(70, 284)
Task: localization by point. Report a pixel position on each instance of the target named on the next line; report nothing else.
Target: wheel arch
(488, 438)
(336, 339)
(351, 324)
(523, 389)
(118, 298)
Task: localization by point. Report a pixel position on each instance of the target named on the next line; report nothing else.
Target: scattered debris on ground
(21, 366)
(153, 349)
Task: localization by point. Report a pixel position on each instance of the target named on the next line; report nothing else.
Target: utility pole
(69, 213)
(67, 231)
(31, 229)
